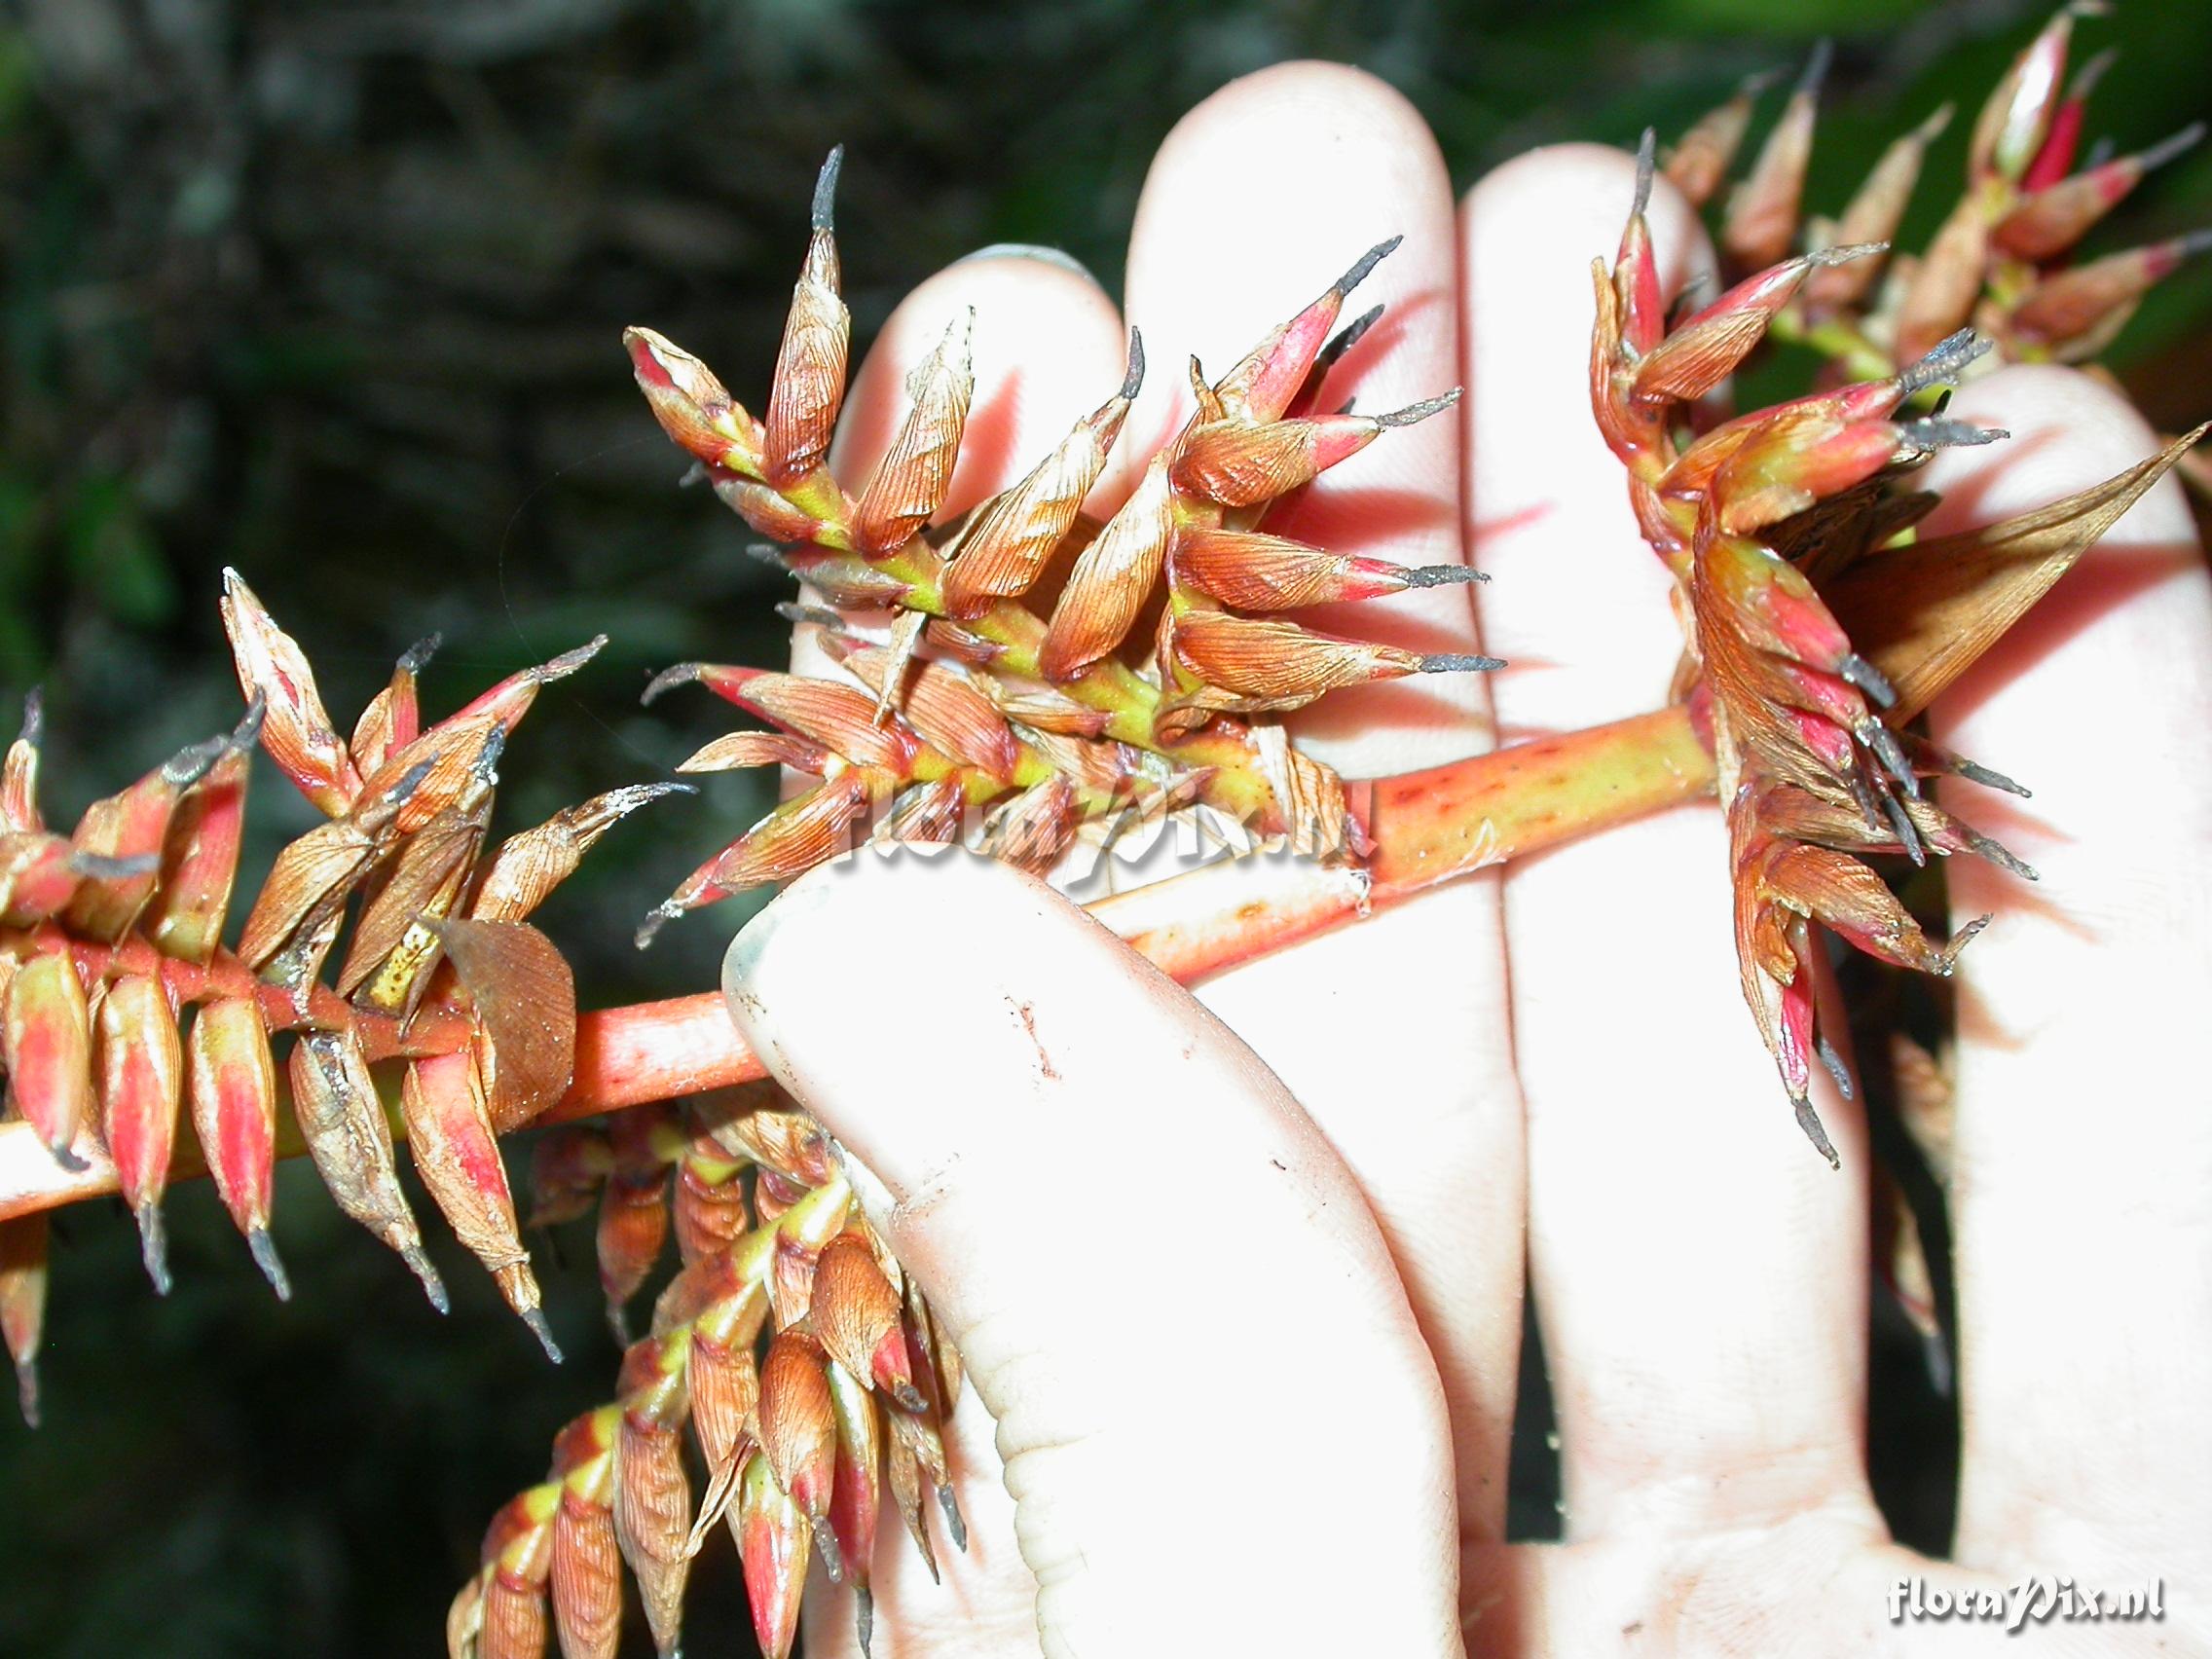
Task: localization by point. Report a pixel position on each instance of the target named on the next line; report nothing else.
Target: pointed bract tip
(1132, 381)
(433, 1288)
(1836, 1069)
(1809, 1121)
(104, 866)
(1415, 413)
(535, 1318)
(1455, 662)
(1349, 336)
(768, 553)
(864, 1620)
(1815, 69)
(187, 767)
(1442, 575)
(33, 729)
(1945, 360)
(812, 615)
(2167, 150)
(154, 1248)
(1976, 773)
(1936, 433)
(417, 656)
(248, 731)
(1363, 267)
(1843, 255)
(657, 918)
(826, 1546)
(2095, 69)
(1959, 941)
(824, 216)
(567, 662)
(1905, 831)
(2192, 244)
(69, 1158)
(26, 1390)
(955, 1522)
(682, 674)
(1857, 670)
(264, 1249)
(1646, 167)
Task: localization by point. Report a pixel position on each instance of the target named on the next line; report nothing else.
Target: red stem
(1428, 827)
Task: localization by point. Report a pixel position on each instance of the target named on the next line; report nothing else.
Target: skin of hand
(1239, 1274)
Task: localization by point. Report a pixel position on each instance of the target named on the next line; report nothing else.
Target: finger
(1047, 350)
(1699, 1269)
(1259, 197)
(2081, 1184)
(1198, 1368)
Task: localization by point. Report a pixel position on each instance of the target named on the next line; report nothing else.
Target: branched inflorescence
(972, 702)
(1015, 679)
(1776, 522)
(108, 936)
(994, 695)
(806, 1365)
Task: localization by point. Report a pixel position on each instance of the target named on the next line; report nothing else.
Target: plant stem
(1428, 827)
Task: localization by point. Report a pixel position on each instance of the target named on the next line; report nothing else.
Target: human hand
(1240, 1275)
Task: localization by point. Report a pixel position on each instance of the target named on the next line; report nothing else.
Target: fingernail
(1038, 251)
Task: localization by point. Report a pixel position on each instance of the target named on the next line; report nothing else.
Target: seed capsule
(692, 405)
(517, 1555)
(855, 1505)
(909, 483)
(449, 1132)
(141, 1061)
(809, 384)
(200, 864)
(1241, 466)
(855, 1312)
(653, 1496)
(1004, 551)
(633, 1231)
(297, 731)
(341, 1117)
(233, 1085)
(1111, 578)
(587, 1567)
(772, 1541)
(23, 1301)
(799, 1434)
(49, 1051)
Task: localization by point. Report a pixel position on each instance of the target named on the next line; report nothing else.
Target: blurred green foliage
(331, 293)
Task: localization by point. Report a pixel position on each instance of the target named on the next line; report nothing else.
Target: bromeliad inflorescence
(123, 1004)
(1018, 677)
(973, 701)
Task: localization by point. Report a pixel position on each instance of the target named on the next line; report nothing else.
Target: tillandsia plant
(1033, 682)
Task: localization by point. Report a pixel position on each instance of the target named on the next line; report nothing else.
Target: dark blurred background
(331, 292)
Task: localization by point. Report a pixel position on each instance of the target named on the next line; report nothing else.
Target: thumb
(1165, 1287)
